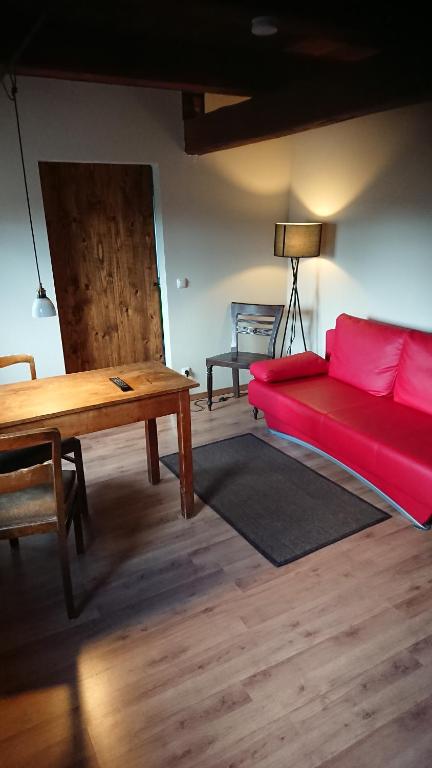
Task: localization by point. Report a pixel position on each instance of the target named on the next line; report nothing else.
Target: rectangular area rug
(283, 508)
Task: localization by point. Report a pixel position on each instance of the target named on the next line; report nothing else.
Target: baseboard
(216, 393)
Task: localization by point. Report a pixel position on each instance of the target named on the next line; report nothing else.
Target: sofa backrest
(366, 353)
(413, 385)
(330, 336)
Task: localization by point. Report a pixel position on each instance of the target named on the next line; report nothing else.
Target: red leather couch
(368, 406)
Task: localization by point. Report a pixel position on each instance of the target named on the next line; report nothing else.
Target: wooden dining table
(81, 403)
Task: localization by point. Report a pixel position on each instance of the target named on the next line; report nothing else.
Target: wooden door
(101, 236)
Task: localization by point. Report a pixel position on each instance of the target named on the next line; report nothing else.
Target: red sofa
(368, 406)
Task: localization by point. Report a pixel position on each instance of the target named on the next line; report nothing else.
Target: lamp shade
(42, 305)
(297, 241)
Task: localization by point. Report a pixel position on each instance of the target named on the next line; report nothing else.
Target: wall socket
(187, 371)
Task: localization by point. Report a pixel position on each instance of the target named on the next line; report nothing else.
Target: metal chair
(42, 498)
(249, 319)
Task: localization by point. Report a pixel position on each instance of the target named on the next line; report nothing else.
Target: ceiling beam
(196, 67)
(161, 81)
(311, 103)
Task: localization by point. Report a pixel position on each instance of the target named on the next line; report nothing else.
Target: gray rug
(280, 506)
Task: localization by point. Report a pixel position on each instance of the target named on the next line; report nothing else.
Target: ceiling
(199, 46)
(204, 45)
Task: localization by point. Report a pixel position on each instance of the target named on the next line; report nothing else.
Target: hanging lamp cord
(13, 97)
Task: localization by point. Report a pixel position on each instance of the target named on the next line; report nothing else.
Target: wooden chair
(42, 498)
(11, 461)
(7, 360)
(255, 319)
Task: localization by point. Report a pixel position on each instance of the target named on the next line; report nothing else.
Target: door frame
(161, 261)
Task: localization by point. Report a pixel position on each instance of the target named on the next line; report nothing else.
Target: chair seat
(32, 506)
(242, 360)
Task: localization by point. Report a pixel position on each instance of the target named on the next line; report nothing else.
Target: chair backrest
(256, 320)
(14, 359)
(38, 474)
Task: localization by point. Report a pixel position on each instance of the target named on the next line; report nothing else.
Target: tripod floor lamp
(295, 242)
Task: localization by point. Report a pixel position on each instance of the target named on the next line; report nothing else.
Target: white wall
(371, 179)
(214, 215)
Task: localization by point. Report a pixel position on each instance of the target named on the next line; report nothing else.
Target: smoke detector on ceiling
(264, 26)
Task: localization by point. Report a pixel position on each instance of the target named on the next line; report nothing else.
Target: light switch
(182, 282)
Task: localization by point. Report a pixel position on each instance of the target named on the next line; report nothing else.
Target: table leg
(236, 382)
(152, 451)
(209, 386)
(185, 454)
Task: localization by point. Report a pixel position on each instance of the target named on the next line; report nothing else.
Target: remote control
(121, 384)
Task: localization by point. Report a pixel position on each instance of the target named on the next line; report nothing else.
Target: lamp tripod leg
(294, 311)
(294, 267)
(301, 320)
(287, 319)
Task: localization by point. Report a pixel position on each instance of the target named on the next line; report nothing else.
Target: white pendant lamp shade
(42, 305)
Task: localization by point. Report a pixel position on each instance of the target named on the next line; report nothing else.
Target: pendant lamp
(42, 305)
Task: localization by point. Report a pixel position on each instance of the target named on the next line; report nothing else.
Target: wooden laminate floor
(193, 651)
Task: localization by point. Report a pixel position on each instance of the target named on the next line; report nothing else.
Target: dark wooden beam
(357, 90)
(197, 67)
(121, 60)
(193, 105)
(162, 82)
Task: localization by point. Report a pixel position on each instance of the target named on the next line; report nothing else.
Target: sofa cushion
(366, 354)
(296, 406)
(292, 367)
(413, 385)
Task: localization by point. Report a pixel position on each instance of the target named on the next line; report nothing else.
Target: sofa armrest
(292, 367)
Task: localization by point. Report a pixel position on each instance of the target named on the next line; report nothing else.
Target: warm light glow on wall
(329, 270)
(263, 169)
(329, 175)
